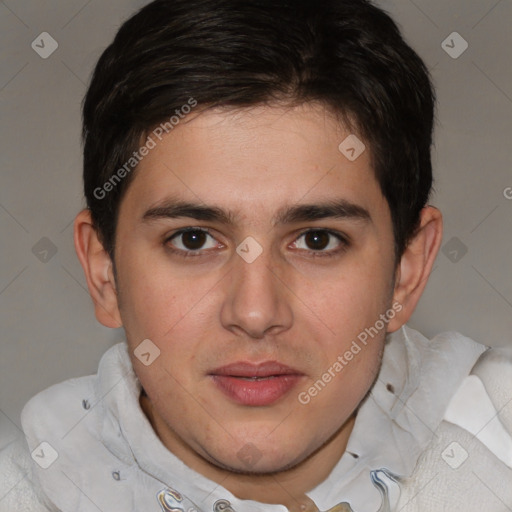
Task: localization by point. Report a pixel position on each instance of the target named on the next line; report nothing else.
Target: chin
(252, 461)
(266, 469)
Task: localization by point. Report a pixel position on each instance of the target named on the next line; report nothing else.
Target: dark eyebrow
(173, 209)
(337, 209)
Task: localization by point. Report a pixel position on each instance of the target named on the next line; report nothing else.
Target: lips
(255, 384)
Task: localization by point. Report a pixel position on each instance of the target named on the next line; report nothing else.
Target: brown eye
(317, 240)
(321, 242)
(192, 240)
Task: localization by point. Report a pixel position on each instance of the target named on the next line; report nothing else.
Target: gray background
(49, 332)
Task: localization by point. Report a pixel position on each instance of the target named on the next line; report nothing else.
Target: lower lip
(256, 392)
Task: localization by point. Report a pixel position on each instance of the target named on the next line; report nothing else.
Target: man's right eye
(190, 240)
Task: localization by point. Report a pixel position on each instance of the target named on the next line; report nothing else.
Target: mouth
(255, 385)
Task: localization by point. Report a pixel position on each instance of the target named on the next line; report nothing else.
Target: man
(257, 175)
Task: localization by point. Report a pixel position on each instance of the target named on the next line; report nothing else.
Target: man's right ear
(98, 269)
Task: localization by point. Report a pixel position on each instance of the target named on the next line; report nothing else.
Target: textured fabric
(19, 491)
(474, 443)
(481, 482)
(400, 455)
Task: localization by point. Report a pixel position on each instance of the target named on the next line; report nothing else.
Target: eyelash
(315, 254)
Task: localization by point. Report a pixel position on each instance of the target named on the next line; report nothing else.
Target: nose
(257, 301)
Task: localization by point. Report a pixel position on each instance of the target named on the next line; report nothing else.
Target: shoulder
(468, 464)
(68, 426)
(44, 417)
(494, 370)
(482, 404)
(55, 410)
(55, 407)
(19, 488)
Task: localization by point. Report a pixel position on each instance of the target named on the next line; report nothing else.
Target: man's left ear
(416, 264)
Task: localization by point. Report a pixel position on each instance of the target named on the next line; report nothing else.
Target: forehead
(255, 161)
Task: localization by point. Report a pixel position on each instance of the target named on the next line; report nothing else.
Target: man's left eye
(320, 240)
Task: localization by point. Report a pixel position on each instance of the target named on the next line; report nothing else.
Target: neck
(287, 488)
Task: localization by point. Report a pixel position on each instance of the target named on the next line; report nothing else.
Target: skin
(291, 304)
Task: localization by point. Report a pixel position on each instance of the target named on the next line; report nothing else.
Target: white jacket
(434, 434)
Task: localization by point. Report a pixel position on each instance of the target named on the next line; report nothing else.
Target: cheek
(353, 300)
(346, 379)
(170, 310)
(147, 311)
(153, 296)
(351, 306)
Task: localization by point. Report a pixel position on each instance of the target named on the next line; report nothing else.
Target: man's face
(244, 334)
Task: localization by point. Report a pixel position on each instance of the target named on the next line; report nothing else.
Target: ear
(415, 265)
(98, 270)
